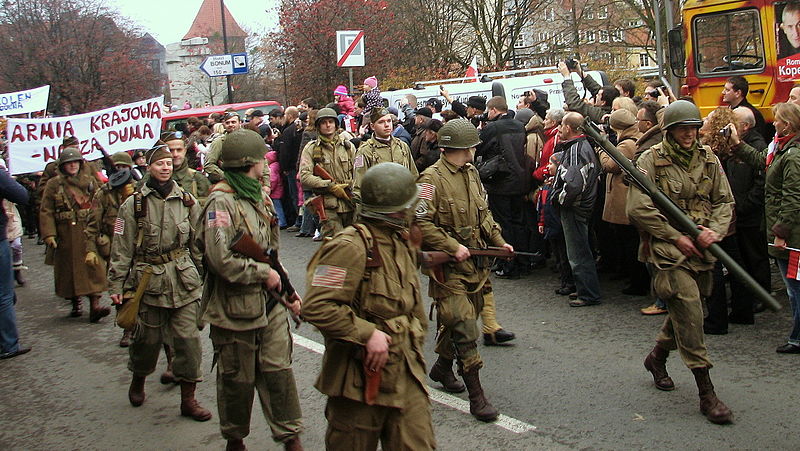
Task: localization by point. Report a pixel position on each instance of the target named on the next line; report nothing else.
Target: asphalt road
(573, 379)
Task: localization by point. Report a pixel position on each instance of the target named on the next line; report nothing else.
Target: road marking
(503, 421)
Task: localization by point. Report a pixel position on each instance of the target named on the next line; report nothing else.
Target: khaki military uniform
(65, 210)
(100, 225)
(339, 164)
(153, 234)
(252, 346)
(372, 152)
(703, 193)
(452, 212)
(347, 298)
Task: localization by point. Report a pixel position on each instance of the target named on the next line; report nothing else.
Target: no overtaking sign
(350, 48)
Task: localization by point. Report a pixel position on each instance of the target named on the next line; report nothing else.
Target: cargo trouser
(259, 359)
(355, 426)
(335, 223)
(154, 326)
(488, 312)
(681, 288)
(456, 316)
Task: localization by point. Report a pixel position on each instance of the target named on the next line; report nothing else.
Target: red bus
(170, 120)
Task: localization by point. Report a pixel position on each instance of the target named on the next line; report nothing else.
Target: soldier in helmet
(188, 179)
(105, 207)
(453, 215)
(66, 207)
(252, 343)
(381, 148)
(333, 153)
(152, 252)
(362, 293)
(691, 176)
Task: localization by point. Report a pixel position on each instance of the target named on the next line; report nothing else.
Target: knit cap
(341, 90)
(372, 82)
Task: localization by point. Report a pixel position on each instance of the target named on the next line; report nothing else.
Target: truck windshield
(728, 42)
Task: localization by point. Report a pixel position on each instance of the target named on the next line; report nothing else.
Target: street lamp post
(225, 47)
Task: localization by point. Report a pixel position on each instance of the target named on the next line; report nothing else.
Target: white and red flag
(472, 71)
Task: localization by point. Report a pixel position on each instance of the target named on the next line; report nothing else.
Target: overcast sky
(169, 20)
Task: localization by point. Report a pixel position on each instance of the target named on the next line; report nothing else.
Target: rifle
(244, 244)
(108, 165)
(675, 215)
(434, 259)
(320, 172)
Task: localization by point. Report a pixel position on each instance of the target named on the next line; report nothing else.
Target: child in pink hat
(345, 101)
(372, 95)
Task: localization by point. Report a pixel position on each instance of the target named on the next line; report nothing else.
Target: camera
(571, 64)
(725, 132)
(483, 117)
(654, 93)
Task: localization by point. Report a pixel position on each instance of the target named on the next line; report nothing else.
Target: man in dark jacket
(734, 93)
(473, 110)
(503, 142)
(9, 336)
(288, 148)
(574, 193)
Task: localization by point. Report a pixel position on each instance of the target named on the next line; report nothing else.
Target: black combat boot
(479, 406)
(96, 312)
(77, 307)
(715, 410)
(656, 363)
(167, 377)
(189, 405)
(293, 444)
(136, 391)
(442, 372)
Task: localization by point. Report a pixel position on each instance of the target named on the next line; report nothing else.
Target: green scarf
(328, 143)
(244, 186)
(681, 156)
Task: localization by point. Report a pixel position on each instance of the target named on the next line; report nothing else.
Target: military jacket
(234, 296)
(64, 213)
(159, 235)
(100, 224)
(373, 152)
(453, 211)
(347, 301)
(702, 192)
(338, 163)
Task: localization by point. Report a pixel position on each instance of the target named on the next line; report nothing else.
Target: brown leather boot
(442, 372)
(18, 277)
(77, 307)
(136, 391)
(656, 363)
(125, 341)
(97, 312)
(293, 444)
(479, 406)
(167, 377)
(715, 410)
(189, 405)
(236, 444)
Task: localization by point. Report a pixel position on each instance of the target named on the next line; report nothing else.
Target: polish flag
(794, 265)
(472, 71)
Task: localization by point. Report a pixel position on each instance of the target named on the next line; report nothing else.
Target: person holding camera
(604, 96)
(473, 110)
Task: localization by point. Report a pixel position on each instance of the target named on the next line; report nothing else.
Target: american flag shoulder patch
(329, 276)
(219, 218)
(119, 226)
(426, 191)
(359, 163)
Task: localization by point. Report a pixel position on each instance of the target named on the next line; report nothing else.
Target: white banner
(22, 102)
(32, 143)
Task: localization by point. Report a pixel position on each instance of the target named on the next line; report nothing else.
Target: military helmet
(70, 154)
(241, 148)
(122, 158)
(326, 112)
(387, 188)
(682, 112)
(458, 134)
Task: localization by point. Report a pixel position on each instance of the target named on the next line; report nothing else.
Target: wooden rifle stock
(320, 172)
(318, 203)
(245, 245)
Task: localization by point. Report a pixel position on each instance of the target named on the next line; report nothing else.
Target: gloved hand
(50, 241)
(338, 190)
(92, 259)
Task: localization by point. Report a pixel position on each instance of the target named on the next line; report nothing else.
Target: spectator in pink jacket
(276, 186)
(344, 100)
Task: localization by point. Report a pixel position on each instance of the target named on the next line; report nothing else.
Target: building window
(634, 23)
(588, 13)
(644, 60)
(602, 13)
(604, 36)
(520, 42)
(549, 14)
(590, 36)
(616, 35)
